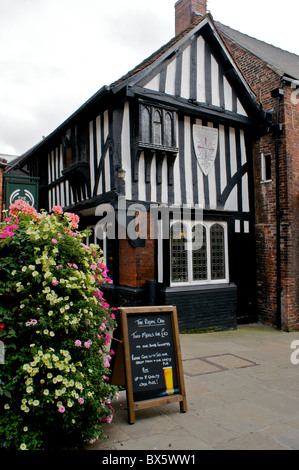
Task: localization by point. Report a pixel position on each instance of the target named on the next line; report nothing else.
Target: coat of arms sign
(205, 141)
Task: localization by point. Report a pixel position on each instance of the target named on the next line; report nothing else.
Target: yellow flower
(78, 385)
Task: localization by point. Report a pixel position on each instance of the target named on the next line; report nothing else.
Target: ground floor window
(199, 253)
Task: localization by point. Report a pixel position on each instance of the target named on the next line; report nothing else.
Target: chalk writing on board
(152, 356)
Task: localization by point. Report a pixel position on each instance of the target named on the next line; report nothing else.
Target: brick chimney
(186, 12)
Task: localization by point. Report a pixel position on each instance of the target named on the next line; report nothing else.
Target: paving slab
(242, 394)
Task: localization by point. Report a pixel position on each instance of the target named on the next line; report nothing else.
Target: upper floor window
(266, 167)
(146, 135)
(199, 253)
(156, 127)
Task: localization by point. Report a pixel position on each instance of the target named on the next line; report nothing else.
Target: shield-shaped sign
(205, 141)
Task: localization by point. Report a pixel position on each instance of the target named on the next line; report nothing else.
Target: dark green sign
(17, 188)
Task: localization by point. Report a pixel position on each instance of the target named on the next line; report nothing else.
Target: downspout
(276, 130)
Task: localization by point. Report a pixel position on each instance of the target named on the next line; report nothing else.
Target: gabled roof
(282, 62)
(172, 47)
(160, 52)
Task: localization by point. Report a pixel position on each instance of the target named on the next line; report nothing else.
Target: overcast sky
(55, 54)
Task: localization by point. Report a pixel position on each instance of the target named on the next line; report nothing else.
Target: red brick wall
(185, 13)
(262, 81)
(290, 220)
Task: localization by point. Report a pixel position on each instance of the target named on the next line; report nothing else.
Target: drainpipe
(276, 130)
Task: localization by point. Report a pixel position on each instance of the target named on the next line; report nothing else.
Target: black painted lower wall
(198, 307)
(204, 306)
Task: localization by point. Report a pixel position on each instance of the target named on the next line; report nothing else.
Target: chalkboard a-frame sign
(148, 358)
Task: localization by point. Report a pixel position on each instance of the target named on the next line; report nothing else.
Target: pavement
(242, 392)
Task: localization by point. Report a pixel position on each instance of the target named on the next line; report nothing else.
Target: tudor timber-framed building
(207, 122)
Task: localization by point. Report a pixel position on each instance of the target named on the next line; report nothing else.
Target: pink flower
(55, 283)
(75, 266)
(54, 240)
(21, 206)
(93, 267)
(61, 409)
(74, 218)
(78, 343)
(81, 400)
(107, 339)
(87, 344)
(31, 323)
(57, 209)
(107, 361)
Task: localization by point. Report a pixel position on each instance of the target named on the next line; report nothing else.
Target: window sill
(266, 181)
(200, 287)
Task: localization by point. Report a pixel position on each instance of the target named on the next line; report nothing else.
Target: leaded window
(168, 130)
(217, 252)
(157, 128)
(199, 253)
(179, 255)
(146, 135)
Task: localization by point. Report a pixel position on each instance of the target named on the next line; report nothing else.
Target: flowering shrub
(55, 326)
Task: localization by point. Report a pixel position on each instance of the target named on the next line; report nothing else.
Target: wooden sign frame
(122, 367)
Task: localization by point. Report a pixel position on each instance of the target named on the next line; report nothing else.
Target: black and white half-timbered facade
(176, 132)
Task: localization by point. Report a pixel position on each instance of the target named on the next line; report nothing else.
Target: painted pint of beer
(168, 380)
